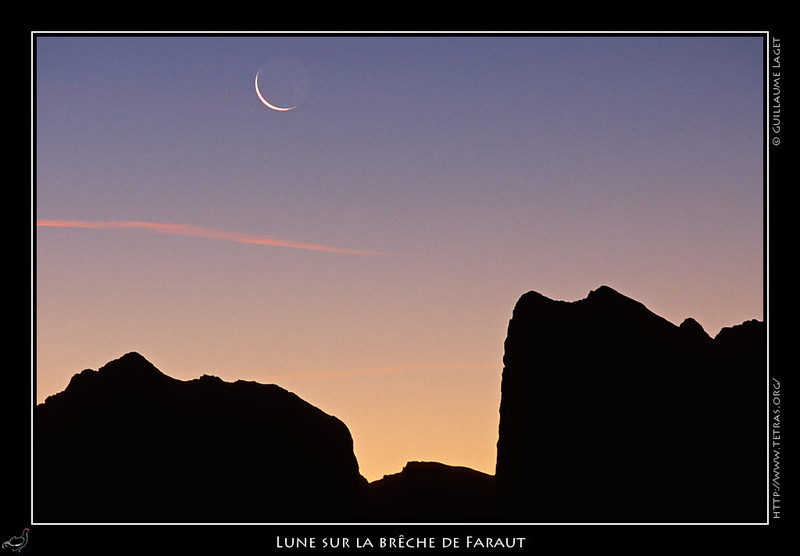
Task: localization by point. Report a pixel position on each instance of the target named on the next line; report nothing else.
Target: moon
(281, 83)
(266, 102)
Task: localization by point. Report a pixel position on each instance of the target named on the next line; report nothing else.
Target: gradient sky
(365, 250)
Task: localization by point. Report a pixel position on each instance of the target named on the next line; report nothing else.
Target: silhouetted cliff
(610, 413)
(431, 492)
(130, 444)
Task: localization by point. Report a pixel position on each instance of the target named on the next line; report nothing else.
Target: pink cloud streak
(199, 231)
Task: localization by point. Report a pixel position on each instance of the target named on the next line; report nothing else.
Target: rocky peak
(601, 394)
(127, 443)
(693, 329)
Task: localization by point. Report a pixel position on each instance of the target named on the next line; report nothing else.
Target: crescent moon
(266, 103)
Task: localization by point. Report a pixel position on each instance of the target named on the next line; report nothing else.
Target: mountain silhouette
(129, 444)
(432, 492)
(610, 413)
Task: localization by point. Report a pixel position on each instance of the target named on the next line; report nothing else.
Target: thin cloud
(200, 231)
(314, 375)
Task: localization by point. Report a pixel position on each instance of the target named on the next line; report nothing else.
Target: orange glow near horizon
(198, 231)
(445, 412)
(312, 375)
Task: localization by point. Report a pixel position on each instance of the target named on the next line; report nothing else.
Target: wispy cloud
(433, 367)
(200, 231)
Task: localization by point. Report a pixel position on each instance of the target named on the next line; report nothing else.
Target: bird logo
(17, 543)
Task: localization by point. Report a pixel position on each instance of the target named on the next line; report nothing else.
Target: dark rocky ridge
(129, 444)
(610, 413)
(432, 492)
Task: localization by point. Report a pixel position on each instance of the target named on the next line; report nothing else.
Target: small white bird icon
(17, 543)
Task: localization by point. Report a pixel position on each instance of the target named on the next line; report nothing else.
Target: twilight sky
(365, 249)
